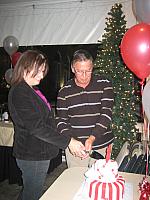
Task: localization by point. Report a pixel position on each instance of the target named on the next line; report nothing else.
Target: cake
(102, 181)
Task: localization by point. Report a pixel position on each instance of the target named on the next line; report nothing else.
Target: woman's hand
(77, 148)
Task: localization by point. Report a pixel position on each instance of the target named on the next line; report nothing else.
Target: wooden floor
(11, 191)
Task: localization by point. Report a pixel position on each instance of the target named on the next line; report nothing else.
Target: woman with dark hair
(36, 140)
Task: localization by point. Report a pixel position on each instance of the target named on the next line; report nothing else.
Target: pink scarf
(39, 93)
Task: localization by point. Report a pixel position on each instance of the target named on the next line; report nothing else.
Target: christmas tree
(110, 64)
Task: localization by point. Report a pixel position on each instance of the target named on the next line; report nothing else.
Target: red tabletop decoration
(145, 189)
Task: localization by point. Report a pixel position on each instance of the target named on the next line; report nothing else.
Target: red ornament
(135, 50)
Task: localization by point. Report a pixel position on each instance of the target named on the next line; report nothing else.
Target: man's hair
(81, 55)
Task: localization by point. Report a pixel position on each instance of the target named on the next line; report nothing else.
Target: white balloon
(146, 100)
(141, 10)
(8, 75)
(10, 44)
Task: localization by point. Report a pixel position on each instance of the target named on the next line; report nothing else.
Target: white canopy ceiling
(54, 22)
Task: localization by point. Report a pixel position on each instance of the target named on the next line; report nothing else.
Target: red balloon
(15, 57)
(135, 50)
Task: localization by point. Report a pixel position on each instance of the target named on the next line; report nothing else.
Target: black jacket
(36, 136)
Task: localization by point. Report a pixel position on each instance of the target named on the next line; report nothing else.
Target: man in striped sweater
(84, 108)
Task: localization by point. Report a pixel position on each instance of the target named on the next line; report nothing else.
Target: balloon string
(147, 151)
(11, 62)
(146, 130)
(143, 113)
(142, 87)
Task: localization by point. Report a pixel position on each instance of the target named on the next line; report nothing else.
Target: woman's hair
(29, 60)
(81, 55)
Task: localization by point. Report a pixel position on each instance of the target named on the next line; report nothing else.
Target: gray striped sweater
(84, 112)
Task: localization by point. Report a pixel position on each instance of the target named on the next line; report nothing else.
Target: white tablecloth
(6, 134)
(68, 183)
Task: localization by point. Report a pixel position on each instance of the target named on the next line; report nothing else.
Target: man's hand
(89, 143)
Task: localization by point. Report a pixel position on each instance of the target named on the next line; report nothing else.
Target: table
(68, 183)
(8, 166)
(6, 134)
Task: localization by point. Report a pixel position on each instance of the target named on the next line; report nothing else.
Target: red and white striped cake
(103, 181)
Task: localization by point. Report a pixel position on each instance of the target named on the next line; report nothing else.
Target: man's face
(83, 72)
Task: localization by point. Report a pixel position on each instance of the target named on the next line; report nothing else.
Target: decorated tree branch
(110, 64)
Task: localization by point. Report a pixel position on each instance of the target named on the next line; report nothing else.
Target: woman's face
(34, 80)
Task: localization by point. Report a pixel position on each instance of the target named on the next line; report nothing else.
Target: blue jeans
(33, 175)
